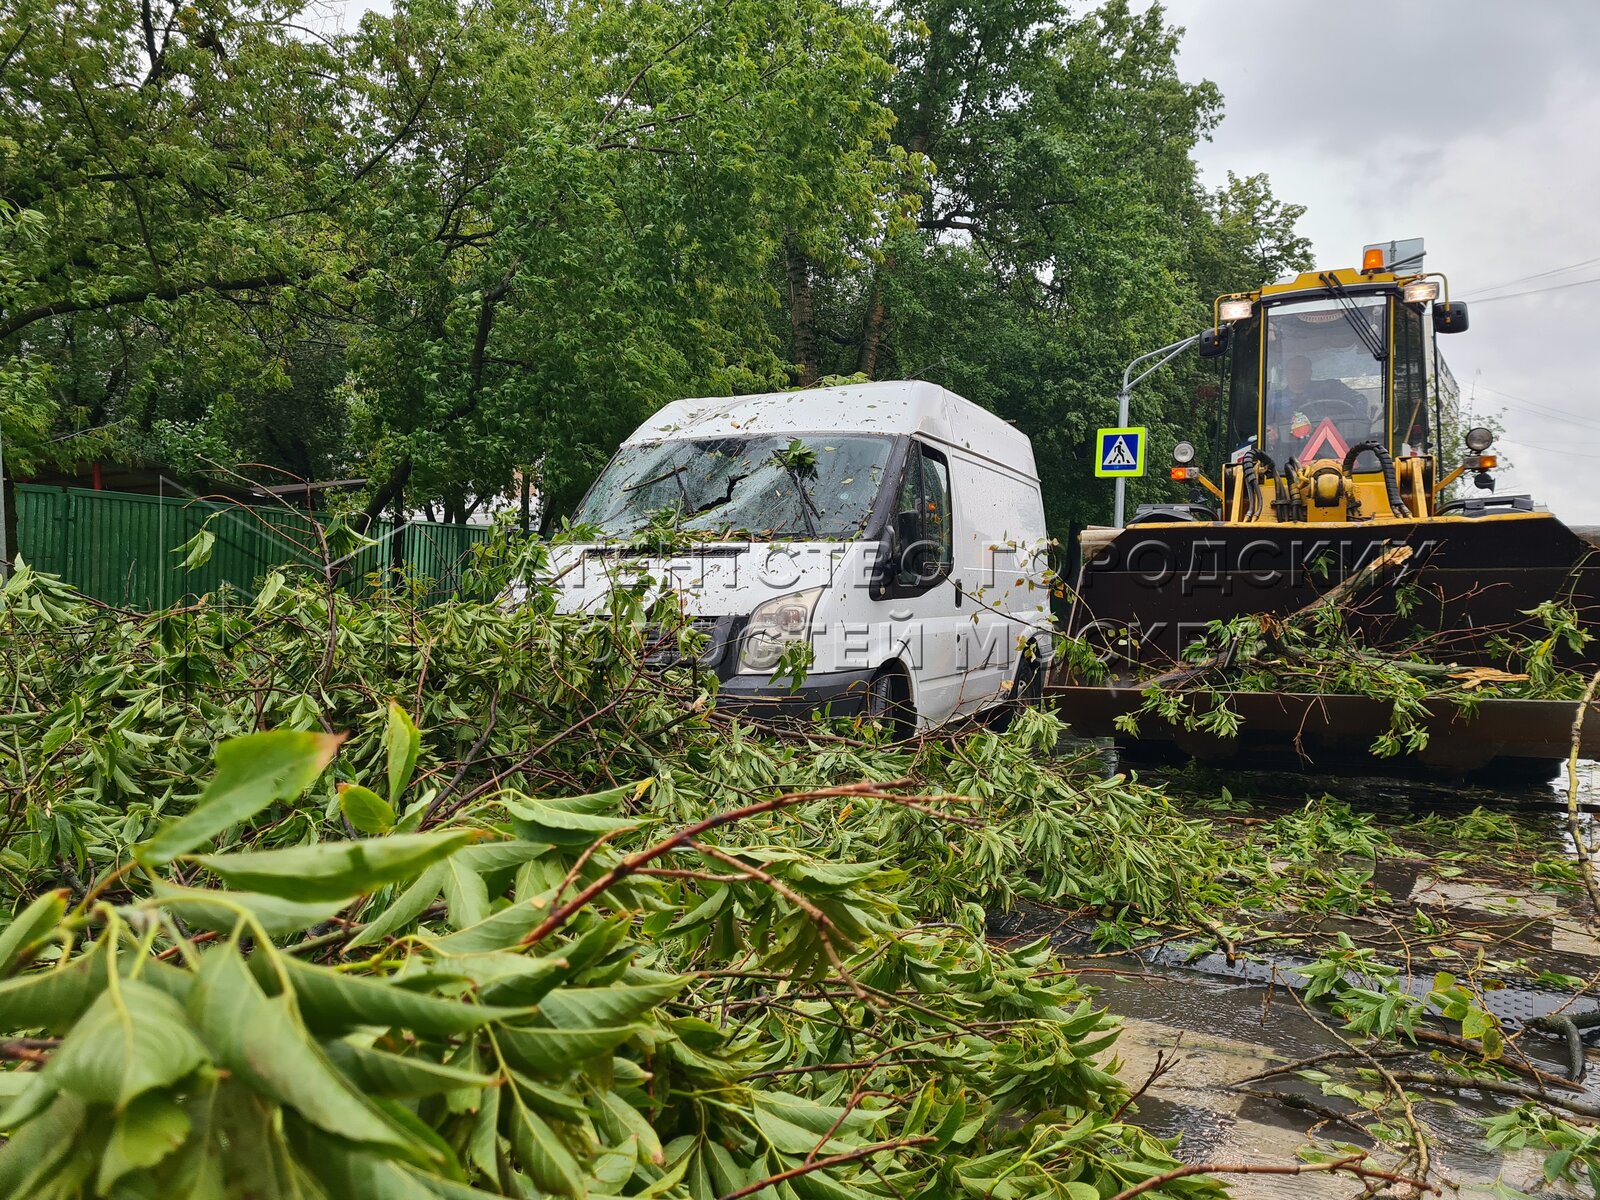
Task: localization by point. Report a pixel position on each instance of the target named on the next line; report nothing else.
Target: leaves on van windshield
(800, 461)
(796, 457)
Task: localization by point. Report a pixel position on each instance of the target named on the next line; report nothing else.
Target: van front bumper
(836, 693)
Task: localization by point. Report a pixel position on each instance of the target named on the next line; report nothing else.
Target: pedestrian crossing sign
(1120, 452)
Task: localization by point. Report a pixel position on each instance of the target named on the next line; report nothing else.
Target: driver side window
(923, 520)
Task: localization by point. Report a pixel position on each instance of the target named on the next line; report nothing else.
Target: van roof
(898, 407)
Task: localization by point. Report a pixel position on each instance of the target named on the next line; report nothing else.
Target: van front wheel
(888, 702)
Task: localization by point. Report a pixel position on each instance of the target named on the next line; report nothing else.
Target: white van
(895, 527)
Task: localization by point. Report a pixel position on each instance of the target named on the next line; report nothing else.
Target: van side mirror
(1213, 342)
(1449, 318)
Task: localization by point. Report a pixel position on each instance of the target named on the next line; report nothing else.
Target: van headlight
(774, 627)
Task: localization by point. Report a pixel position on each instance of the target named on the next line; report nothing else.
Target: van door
(925, 630)
(989, 639)
(998, 541)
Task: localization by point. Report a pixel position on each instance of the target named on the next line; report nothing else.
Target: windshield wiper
(807, 509)
(676, 474)
(1352, 314)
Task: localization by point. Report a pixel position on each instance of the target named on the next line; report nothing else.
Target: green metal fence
(118, 547)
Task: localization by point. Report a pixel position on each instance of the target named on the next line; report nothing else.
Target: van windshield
(796, 487)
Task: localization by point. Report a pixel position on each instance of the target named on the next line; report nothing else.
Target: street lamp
(1162, 356)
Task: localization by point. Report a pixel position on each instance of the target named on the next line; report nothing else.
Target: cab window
(1410, 381)
(923, 519)
(1325, 377)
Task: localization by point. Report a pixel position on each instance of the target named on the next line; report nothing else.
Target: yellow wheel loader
(1332, 483)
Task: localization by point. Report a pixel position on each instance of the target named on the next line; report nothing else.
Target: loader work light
(1183, 453)
(1235, 310)
(1422, 291)
(1479, 439)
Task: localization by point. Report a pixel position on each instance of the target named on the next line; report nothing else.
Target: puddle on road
(1220, 1033)
(1221, 1025)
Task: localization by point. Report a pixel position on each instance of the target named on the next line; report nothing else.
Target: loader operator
(1301, 403)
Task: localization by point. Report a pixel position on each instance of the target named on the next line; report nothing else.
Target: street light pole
(1162, 356)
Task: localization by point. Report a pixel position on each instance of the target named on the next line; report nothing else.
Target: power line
(1546, 410)
(1554, 287)
(1525, 278)
(1555, 449)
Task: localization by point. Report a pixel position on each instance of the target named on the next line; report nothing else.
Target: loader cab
(1335, 372)
(1313, 375)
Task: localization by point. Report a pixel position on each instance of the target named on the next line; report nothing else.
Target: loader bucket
(1147, 591)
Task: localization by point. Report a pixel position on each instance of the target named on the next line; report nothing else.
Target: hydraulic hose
(1253, 481)
(1285, 496)
(1391, 485)
(1568, 1028)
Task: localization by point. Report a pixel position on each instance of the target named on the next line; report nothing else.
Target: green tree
(582, 228)
(1243, 236)
(167, 174)
(1062, 232)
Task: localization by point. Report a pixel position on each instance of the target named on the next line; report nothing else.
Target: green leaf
(402, 742)
(379, 1073)
(406, 907)
(31, 926)
(543, 1154)
(558, 1052)
(152, 1127)
(268, 592)
(821, 1185)
(498, 931)
(588, 1007)
(132, 1039)
(31, 1156)
(365, 809)
(466, 896)
(557, 1103)
(488, 857)
(627, 1121)
(55, 998)
(197, 550)
(333, 1001)
(335, 870)
(252, 772)
(516, 980)
(262, 1041)
(30, 1094)
(353, 1171)
(207, 908)
(573, 821)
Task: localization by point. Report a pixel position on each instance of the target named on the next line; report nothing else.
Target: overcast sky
(1474, 125)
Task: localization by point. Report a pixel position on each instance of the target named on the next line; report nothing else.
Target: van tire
(1026, 691)
(888, 700)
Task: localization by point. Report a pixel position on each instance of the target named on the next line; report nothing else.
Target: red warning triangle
(1325, 434)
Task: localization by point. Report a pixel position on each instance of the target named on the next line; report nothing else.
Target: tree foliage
(456, 243)
(1062, 232)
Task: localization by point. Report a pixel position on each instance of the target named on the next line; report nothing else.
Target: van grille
(661, 644)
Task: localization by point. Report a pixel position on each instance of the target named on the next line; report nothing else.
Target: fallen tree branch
(1350, 1165)
(1580, 846)
(689, 833)
(823, 1163)
(1499, 1087)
